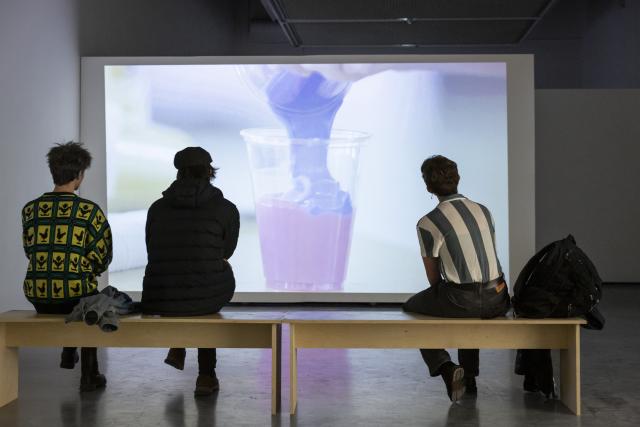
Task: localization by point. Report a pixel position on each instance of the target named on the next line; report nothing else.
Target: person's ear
(79, 179)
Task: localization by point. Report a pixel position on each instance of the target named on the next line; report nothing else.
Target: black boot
(530, 384)
(69, 358)
(470, 386)
(453, 377)
(176, 357)
(91, 378)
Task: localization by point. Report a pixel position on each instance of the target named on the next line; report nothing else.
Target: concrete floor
(336, 387)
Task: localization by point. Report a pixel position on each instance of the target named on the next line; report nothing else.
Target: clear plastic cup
(304, 192)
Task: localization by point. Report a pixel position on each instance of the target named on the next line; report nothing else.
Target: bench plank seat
(228, 329)
(256, 327)
(396, 329)
(397, 316)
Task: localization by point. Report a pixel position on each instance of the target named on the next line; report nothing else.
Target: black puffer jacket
(190, 233)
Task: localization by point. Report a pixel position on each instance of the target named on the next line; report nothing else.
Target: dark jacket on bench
(191, 232)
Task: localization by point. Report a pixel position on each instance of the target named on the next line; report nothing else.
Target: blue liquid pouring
(307, 106)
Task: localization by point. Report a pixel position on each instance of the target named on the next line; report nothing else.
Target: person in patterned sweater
(67, 240)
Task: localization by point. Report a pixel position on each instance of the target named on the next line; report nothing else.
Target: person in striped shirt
(457, 243)
(67, 240)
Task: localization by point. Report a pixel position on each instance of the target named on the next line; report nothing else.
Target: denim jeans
(452, 300)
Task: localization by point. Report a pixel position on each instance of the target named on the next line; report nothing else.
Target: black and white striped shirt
(461, 234)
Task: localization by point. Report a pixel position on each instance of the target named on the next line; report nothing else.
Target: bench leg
(8, 370)
(276, 367)
(570, 371)
(293, 364)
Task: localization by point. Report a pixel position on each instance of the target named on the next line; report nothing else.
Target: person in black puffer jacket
(191, 233)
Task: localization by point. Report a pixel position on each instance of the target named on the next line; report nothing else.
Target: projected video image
(322, 161)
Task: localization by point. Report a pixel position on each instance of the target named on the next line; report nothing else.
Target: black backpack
(559, 281)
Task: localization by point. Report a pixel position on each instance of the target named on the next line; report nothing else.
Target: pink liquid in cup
(302, 250)
(305, 224)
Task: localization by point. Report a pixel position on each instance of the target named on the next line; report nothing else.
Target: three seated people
(192, 231)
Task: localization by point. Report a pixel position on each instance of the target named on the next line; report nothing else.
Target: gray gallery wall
(587, 174)
(39, 105)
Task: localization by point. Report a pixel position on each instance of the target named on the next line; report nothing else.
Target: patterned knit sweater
(67, 240)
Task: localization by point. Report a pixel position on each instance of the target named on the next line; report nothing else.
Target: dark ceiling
(576, 43)
(316, 23)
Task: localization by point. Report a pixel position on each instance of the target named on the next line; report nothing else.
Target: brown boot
(206, 385)
(176, 357)
(91, 378)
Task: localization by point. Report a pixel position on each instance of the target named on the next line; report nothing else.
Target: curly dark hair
(197, 172)
(67, 161)
(441, 175)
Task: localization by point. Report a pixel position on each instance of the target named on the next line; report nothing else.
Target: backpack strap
(529, 267)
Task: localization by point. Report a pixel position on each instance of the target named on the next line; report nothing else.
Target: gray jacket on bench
(103, 309)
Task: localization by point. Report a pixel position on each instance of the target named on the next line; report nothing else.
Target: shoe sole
(93, 384)
(68, 365)
(205, 391)
(174, 364)
(458, 386)
(91, 387)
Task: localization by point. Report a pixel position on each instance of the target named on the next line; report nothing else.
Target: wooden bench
(233, 328)
(228, 329)
(395, 329)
